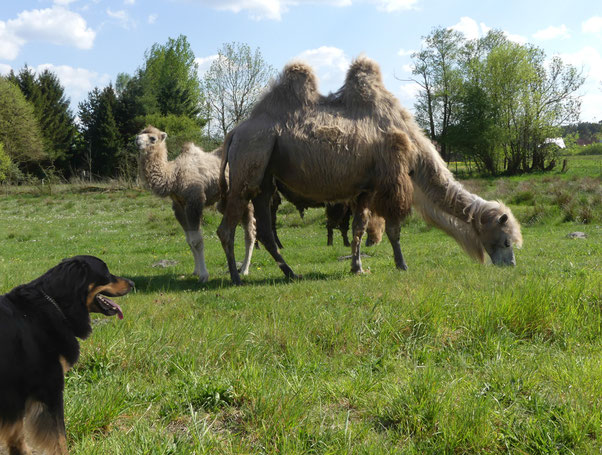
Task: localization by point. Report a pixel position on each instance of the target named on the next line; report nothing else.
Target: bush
(5, 164)
(592, 149)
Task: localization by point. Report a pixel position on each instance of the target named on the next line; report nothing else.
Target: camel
(356, 145)
(192, 183)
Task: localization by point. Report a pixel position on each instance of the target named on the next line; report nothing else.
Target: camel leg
(264, 229)
(393, 229)
(344, 226)
(233, 213)
(274, 204)
(329, 235)
(192, 233)
(360, 220)
(248, 222)
(194, 236)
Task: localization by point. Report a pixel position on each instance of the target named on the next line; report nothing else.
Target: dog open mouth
(108, 307)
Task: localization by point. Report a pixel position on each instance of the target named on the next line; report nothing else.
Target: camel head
(150, 137)
(499, 234)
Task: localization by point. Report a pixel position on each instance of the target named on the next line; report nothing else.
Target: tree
(51, 108)
(436, 66)
(19, 129)
(233, 84)
(99, 128)
(493, 100)
(5, 163)
(170, 80)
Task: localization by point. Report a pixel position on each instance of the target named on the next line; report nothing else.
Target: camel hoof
(203, 278)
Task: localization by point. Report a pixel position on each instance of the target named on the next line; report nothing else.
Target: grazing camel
(357, 145)
(192, 183)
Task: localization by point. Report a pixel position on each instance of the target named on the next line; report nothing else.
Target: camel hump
(363, 67)
(189, 147)
(363, 83)
(299, 77)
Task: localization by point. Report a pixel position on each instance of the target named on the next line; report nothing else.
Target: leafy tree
(437, 69)
(5, 163)
(233, 84)
(19, 129)
(495, 101)
(51, 108)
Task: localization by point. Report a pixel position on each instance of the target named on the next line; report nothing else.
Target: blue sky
(88, 42)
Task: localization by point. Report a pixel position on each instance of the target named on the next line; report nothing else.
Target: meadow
(448, 357)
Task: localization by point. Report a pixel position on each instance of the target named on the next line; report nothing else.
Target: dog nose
(131, 283)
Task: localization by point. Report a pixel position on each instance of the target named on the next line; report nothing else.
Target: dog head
(82, 285)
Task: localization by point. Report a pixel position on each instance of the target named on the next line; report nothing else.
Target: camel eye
(153, 139)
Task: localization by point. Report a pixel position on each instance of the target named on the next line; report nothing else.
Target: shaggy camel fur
(357, 145)
(192, 183)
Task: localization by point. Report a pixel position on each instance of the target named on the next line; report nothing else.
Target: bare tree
(233, 83)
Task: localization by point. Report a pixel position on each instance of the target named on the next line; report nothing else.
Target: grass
(449, 357)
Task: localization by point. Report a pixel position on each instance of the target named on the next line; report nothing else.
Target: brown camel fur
(192, 183)
(357, 145)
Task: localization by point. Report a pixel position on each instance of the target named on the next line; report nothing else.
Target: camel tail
(434, 185)
(223, 181)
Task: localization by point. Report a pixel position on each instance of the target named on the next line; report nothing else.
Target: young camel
(357, 145)
(192, 183)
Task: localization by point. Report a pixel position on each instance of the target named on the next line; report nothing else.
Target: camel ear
(163, 136)
(503, 219)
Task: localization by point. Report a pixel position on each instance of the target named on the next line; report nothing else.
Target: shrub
(592, 149)
(5, 164)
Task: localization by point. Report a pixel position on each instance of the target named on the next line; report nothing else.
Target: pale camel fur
(192, 183)
(357, 145)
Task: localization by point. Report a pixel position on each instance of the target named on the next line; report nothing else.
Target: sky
(87, 43)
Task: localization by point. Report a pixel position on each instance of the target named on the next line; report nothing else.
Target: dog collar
(56, 305)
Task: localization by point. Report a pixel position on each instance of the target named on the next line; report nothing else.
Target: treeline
(493, 102)
(41, 138)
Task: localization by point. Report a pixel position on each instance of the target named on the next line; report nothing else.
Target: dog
(40, 323)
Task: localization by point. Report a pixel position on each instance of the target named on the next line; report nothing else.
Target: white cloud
(55, 25)
(330, 65)
(204, 63)
(408, 68)
(77, 81)
(592, 25)
(405, 52)
(152, 18)
(122, 17)
(395, 5)
(4, 68)
(472, 30)
(552, 32)
(274, 9)
(63, 2)
(129, 2)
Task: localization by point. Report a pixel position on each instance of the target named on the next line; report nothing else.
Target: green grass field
(448, 357)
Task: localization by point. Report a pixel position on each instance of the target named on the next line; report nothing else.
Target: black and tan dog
(39, 326)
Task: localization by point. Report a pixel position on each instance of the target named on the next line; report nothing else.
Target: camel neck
(158, 171)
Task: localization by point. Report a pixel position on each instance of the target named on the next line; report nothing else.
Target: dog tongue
(114, 305)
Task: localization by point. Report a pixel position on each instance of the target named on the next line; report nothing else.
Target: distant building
(556, 141)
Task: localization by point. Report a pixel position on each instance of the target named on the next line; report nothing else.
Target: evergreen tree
(19, 129)
(101, 134)
(51, 108)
